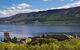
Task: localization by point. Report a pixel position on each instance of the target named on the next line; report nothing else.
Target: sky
(12, 7)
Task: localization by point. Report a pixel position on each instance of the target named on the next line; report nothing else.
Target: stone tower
(6, 37)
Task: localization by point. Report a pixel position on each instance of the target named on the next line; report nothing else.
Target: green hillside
(70, 16)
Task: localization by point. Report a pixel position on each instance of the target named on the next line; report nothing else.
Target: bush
(44, 44)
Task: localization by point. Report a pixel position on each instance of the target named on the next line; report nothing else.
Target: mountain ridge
(70, 16)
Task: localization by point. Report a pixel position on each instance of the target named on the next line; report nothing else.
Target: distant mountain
(70, 16)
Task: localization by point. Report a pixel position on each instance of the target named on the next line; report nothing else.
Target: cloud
(53, 0)
(25, 8)
(62, 0)
(23, 5)
(65, 0)
(15, 9)
(75, 4)
(46, 0)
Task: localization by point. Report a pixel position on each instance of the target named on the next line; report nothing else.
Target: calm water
(29, 30)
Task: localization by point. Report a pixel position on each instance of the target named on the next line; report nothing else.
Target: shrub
(44, 44)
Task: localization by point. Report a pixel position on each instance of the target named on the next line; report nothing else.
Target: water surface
(30, 30)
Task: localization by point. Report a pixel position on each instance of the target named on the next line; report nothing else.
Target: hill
(70, 16)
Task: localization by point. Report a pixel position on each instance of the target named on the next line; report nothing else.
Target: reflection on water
(29, 30)
(37, 29)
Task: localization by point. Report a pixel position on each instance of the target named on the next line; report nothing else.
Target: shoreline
(45, 24)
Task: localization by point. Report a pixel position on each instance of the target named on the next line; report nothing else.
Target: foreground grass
(44, 44)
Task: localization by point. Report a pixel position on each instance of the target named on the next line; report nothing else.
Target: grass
(44, 44)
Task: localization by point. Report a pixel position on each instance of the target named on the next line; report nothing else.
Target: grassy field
(44, 44)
